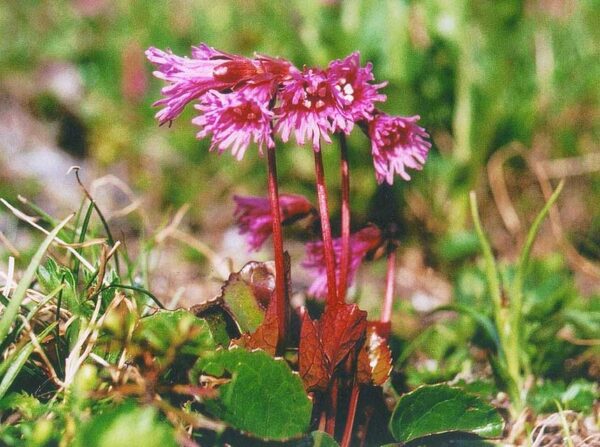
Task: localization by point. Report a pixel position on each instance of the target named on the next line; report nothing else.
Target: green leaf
(263, 397)
(441, 409)
(486, 389)
(167, 329)
(240, 298)
(586, 322)
(579, 396)
(481, 319)
(219, 318)
(457, 246)
(28, 406)
(126, 426)
(445, 441)
(219, 326)
(51, 275)
(322, 439)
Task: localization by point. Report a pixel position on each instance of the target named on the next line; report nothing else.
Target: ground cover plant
(303, 340)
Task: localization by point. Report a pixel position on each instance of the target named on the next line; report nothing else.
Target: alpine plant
(240, 101)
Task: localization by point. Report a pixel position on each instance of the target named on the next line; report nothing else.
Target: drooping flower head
(397, 143)
(351, 84)
(254, 217)
(361, 243)
(310, 109)
(208, 69)
(236, 119)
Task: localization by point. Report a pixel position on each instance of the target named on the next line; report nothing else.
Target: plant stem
(502, 316)
(280, 292)
(332, 298)
(109, 235)
(517, 289)
(386, 313)
(351, 415)
(345, 257)
(323, 419)
(332, 408)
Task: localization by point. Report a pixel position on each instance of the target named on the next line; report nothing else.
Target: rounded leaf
(263, 396)
(440, 409)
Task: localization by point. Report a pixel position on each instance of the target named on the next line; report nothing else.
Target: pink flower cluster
(361, 243)
(243, 100)
(255, 220)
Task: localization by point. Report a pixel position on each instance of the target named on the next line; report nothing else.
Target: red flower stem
(332, 408)
(332, 298)
(345, 257)
(323, 419)
(386, 313)
(280, 292)
(351, 415)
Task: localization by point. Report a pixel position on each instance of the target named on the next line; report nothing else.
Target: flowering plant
(255, 100)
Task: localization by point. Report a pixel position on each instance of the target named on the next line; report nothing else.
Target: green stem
(516, 289)
(502, 316)
(109, 235)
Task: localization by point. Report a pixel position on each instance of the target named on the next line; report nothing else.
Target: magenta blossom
(310, 109)
(397, 142)
(254, 217)
(237, 118)
(351, 84)
(361, 243)
(208, 69)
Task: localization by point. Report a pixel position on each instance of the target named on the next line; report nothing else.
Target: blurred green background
(509, 78)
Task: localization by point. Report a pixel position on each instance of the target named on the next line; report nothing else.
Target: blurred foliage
(480, 75)
(557, 322)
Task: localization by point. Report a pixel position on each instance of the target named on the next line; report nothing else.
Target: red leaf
(265, 336)
(313, 364)
(374, 359)
(342, 327)
(383, 329)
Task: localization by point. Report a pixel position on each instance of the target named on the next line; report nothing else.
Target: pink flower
(361, 243)
(310, 109)
(208, 69)
(254, 217)
(397, 143)
(351, 85)
(237, 118)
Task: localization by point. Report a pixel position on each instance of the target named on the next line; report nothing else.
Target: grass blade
(84, 228)
(491, 269)
(531, 236)
(11, 311)
(14, 368)
(18, 361)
